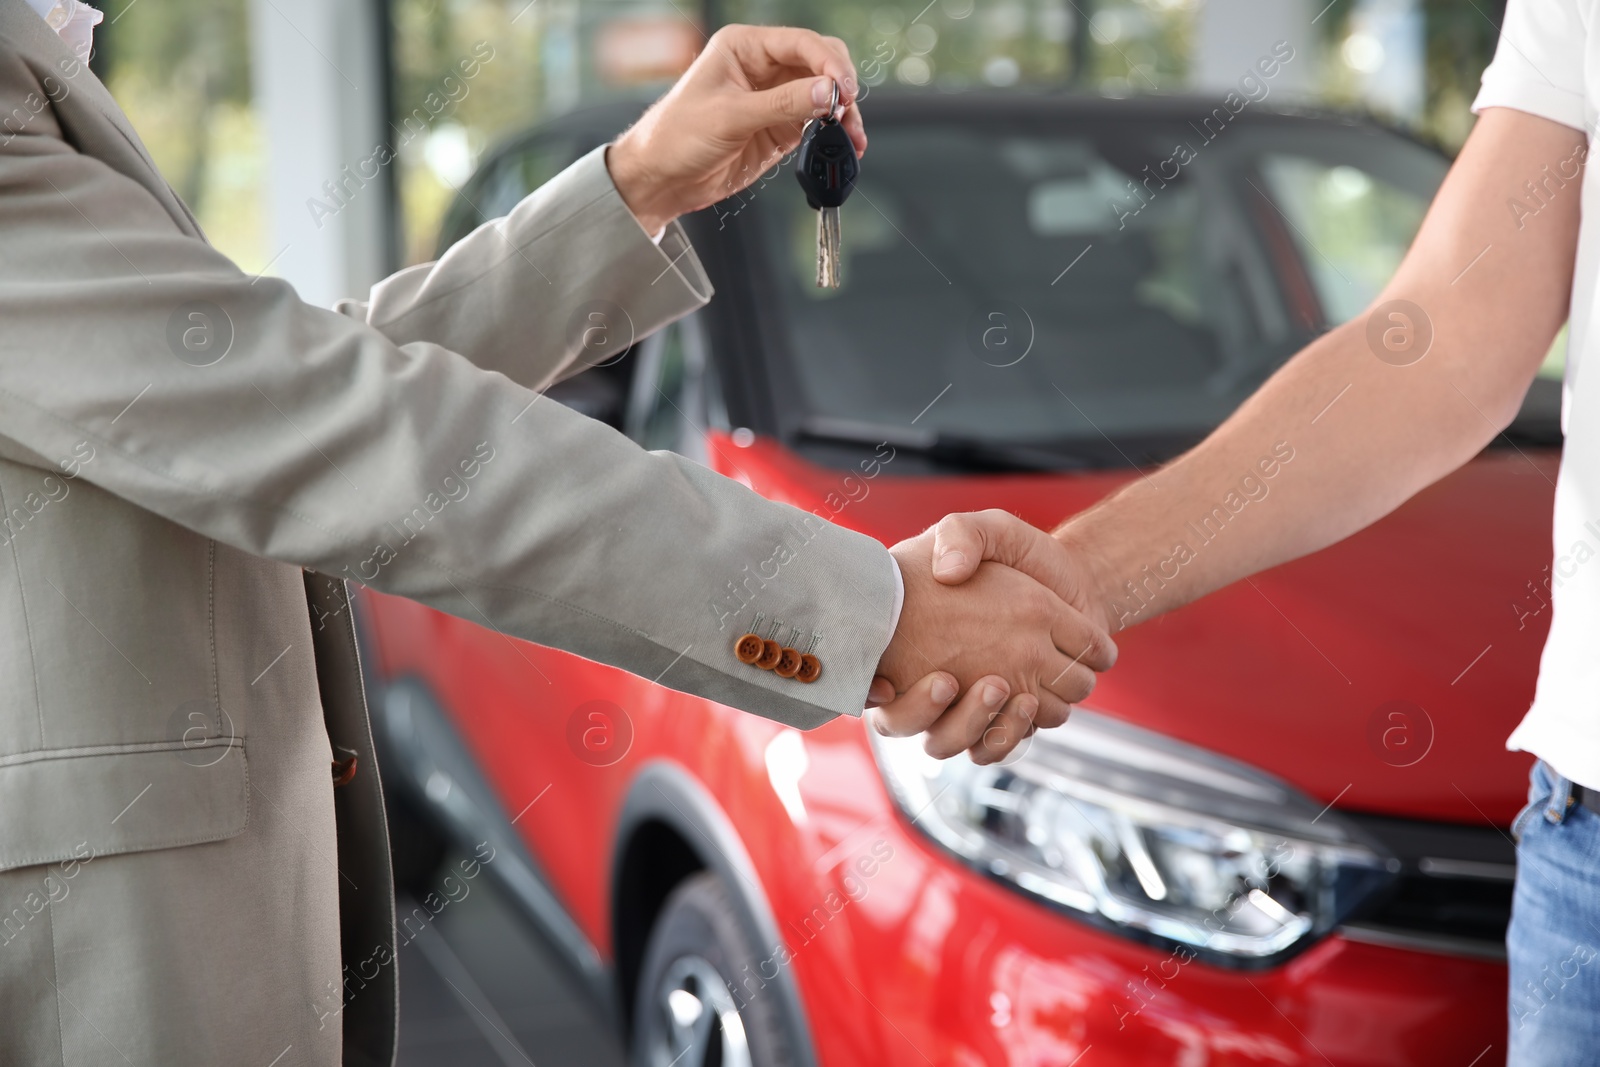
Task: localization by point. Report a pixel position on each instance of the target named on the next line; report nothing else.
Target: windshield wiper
(953, 450)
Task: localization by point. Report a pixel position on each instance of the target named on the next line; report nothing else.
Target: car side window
(673, 396)
(661, 392)
(1353, 226)
(601, 392)
(501, 185)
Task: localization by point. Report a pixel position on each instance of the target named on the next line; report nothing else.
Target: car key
(826, 168)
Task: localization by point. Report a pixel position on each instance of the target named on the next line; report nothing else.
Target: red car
(1276, 834)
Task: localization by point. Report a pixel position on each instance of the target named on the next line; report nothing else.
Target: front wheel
(703, 998)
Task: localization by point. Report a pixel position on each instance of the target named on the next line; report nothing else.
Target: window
(673, 396)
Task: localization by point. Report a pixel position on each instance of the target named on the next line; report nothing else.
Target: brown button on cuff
(783, 660)
(749, 648)
(788, 663)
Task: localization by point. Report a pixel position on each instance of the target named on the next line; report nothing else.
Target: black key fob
(826, 165)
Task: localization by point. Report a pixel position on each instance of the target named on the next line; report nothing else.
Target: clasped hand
(1000, 634)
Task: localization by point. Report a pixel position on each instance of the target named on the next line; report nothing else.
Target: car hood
(1382, 674)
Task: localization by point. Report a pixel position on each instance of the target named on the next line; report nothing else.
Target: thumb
(881, 691)
(792, 103)
(961, 542)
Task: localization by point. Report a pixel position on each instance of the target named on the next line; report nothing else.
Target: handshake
(1003, 629)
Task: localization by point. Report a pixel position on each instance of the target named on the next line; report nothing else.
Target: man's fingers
(881, 691)
(914, 710)
(854, 126)
(792, 73)
(791, 105)
(765, 54)
(1081, 640)
(1006, 730)
(962, 726)
(1053, 712)
(1067, 678)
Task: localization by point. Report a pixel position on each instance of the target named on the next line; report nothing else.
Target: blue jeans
(1553, 946)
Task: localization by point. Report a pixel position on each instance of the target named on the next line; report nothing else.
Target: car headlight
(1146, 834)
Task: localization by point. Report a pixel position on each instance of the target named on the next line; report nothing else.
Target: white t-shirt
(1548, 64)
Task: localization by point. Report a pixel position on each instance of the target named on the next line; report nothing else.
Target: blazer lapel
(90, 118)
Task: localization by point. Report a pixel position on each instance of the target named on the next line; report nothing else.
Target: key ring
(833, 106)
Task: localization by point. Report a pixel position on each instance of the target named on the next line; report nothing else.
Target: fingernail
(822, 92)
(993, 696)
(943, 691)
(950, 562)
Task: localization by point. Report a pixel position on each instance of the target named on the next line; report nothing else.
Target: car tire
(701, 987)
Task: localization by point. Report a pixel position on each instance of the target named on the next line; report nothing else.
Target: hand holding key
(826, 167)
(736, 111)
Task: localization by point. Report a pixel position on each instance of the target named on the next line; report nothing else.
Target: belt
(1589, 798)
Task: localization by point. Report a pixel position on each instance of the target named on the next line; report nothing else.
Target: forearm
(563, 282)
(1324, 449)
(1339, 437)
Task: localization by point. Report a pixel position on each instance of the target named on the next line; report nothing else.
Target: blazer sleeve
(597, 284)
(227, 405)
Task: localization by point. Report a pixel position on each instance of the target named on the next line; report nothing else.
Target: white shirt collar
(72, 20)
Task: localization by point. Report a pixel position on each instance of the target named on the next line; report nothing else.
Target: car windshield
(1106, 293)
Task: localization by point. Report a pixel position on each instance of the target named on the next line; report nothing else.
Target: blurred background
(322, 142)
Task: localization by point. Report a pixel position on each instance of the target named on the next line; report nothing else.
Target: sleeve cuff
(1533, 98)
(899, 597)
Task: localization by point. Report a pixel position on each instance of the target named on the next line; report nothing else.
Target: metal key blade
(828, 241)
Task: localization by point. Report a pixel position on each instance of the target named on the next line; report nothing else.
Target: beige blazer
(187, 455)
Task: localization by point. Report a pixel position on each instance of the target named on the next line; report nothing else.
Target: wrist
(1101, 592)
(894, 664)
(644, 194)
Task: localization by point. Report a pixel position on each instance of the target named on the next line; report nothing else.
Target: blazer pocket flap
(67, 804)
